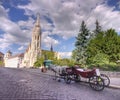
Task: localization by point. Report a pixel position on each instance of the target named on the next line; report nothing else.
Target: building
(1, 59)
(34, 49)
(32, 52)
(13, 61)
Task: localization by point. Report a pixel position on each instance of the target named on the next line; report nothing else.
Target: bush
(101, 59)
(1, 63)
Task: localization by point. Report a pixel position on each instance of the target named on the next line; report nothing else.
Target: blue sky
(59, 19)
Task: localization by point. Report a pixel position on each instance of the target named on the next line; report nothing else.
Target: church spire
(37, 24)
(51, 48)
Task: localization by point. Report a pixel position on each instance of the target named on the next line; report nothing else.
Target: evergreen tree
(81, 44)
(98, 29)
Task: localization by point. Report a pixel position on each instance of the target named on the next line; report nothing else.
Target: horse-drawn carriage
(96, 80)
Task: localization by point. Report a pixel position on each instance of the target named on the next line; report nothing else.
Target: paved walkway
(115, 82)
(31, 84)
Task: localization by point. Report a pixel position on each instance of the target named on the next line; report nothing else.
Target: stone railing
(111, 74)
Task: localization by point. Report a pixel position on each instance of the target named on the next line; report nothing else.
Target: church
(29, 57)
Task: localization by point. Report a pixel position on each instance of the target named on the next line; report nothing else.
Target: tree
(81, 44)
(39, 62)
(98, 28)
(46, 55)
(1, 63)
(111, 45)
(64, 62)
(95, 46)
(74, 53)
(105, 43)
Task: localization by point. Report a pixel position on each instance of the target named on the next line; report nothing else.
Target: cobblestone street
(21, 84)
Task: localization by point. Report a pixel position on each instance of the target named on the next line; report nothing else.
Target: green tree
(39, 62)
(95, 46)
(98, 28)
(81, 44)
(1, 63)
(74, 53)
(111, 45)
(48, 55)
(64, 62)
(101, 59)
(105, 43)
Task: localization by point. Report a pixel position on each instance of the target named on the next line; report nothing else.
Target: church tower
(34, 49)
(8, 54)
(51, 48)
(36, 41)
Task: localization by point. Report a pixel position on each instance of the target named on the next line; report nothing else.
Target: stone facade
(13, 61)
(34, 49)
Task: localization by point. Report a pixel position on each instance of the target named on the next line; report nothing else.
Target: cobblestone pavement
(22, 84)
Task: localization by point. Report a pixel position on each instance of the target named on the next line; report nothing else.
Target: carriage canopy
(47, 63)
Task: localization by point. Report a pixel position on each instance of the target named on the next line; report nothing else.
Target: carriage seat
(80, 69)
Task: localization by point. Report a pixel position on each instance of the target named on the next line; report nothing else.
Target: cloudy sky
(60, 21)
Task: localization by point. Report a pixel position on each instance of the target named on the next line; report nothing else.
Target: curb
(114, 87)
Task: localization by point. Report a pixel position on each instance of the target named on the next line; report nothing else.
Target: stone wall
(111, 74)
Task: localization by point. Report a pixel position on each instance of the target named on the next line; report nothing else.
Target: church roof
(17, 55)
(9, 51)
(37, 24)
(46, 50)
(1, 53)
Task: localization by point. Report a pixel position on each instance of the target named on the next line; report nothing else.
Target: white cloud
(68, 14)
(3, 11)
(28, 24)
(107, 16)
(48, 41)
(21, 48)
(66, 17)
(65, 54)
(12, 32)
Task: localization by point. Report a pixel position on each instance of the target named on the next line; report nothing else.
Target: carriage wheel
(67, 79)
(106, 79)
(77, 78)
(96, 83)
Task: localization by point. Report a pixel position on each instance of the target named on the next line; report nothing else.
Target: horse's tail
(53, 70)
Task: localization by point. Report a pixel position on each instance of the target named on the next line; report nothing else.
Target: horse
(60, 71)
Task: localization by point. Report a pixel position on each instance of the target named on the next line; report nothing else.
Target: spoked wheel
(96, 83)
(67, 79)
(106, 79)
